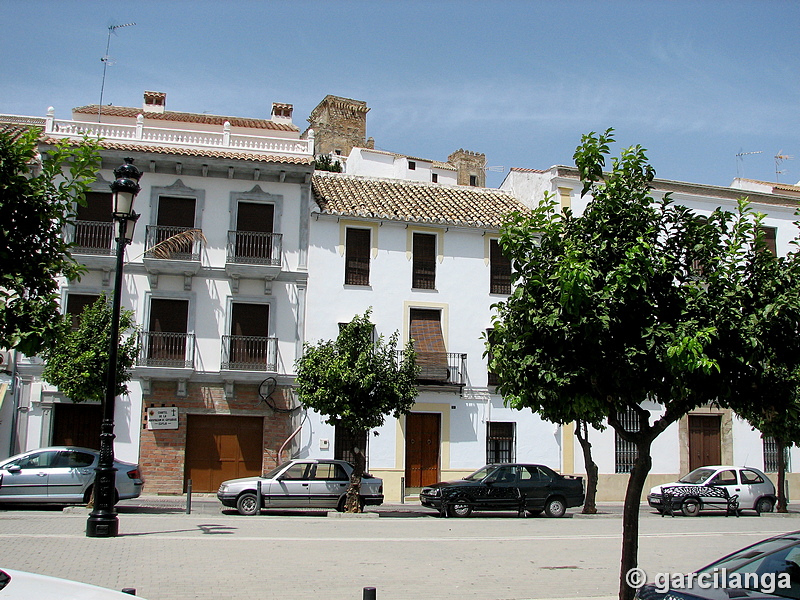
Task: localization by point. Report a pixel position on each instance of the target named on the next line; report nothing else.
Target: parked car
(767, 569)
(61, 475)
(529, 488)
(20, 585)
(299, 483)
(753, 488)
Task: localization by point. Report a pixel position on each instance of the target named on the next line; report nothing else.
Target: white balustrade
(179, 137)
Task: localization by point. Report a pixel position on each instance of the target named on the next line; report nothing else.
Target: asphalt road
(404, 551)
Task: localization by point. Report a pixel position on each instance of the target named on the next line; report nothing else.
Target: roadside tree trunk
(582, 433)
(782, 506)
(630, 515)
(352, 503)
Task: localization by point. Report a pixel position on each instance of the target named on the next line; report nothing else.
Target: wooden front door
(77, 425)
(704, 441)
(422, 449)
(222, 447)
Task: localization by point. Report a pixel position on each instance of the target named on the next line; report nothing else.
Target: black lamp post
(103, 521)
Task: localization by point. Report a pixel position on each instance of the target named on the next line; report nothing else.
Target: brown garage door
(77, 425)
(222, 447)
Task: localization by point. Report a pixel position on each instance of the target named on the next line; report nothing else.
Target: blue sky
(693, 82)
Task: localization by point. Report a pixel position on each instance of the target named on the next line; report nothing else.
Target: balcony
(249, 353)
(183, 258)
(166, 349)
(441, 369)
(93, 243)
(253, 255)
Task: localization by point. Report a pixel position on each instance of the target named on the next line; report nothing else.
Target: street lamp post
(103, 521)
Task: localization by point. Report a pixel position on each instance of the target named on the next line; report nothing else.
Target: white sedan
(753, 489)
(20, 585)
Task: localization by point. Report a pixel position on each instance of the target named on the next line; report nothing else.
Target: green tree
(356, 381)
(765, 375)
(35, 206)
(324, 162)
(77, 362)
(616, 311)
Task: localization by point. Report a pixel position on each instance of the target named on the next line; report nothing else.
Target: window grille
(424, 261)
(771, 456)
(500, 443)
(345, 440)
(625, 454)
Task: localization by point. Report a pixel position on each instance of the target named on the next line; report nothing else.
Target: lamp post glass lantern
(103, 521)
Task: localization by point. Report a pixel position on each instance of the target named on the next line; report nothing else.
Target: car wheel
(459, 508)
(691, 507)
(247, 504)
(764, 505)
(555, 508)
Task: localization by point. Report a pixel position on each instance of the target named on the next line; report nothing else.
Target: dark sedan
(527, 489)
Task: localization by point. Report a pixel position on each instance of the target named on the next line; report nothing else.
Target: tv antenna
(105, 60)
(496, 169)
(779, 158)
(740, 159)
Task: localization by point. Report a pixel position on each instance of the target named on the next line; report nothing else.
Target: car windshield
(771, 567)
(481, 473)
(700, 475)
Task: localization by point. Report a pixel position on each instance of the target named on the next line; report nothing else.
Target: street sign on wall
(163, 417)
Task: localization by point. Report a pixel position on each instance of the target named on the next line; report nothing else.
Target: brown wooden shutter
(424, 261)
(357, 250)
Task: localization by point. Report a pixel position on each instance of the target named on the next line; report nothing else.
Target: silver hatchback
(61, 475)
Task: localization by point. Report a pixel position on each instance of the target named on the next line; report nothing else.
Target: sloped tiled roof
(184, 117)
(15, 126)
(436, 163)
(412, 201)
(201, 152)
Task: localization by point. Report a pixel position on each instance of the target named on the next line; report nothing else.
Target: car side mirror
(14, 469)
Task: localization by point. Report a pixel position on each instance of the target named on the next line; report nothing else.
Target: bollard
(258, 496)
(369, 593)
(189, 497)
(131, 591)
(402, 490)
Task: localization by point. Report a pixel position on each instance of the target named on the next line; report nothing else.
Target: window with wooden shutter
(357, 249)
(499, 270)
(424, 261)
(426, 331)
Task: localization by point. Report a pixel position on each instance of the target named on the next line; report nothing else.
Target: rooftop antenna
(779, 158)
(740, 159)
(497, 169)
(105, 60)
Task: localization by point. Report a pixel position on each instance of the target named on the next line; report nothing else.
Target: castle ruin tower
(339, 125)
(471, 167)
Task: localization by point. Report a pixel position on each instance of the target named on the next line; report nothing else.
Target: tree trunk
(630, 516)
(352, 503)
(582, 433)
(781, 507)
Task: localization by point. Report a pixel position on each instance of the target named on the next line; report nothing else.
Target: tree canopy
(77, 362)
(36, 203)
(619, 310)
(356, 381)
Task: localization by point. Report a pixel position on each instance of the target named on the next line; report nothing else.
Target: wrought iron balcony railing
(249, 353)
(180, 250)
(166, 349)
(254, 248)
(441, 368)
(93, 237)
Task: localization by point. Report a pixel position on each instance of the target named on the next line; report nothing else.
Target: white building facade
(221, 314)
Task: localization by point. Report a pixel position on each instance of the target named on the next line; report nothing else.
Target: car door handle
(41, 474)
(304, 485)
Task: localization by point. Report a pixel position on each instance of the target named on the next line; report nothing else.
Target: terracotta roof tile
(400, 200)
(209, 153)
(184, 117)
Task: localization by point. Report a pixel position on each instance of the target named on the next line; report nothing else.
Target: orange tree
(619, 310)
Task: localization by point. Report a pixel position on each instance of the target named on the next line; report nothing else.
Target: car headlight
(432, 492)
(223, 488)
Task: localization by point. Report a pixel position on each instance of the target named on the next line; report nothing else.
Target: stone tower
(339, 125)
(471, 167)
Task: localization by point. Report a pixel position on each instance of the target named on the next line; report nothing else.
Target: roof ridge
(427, 184)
